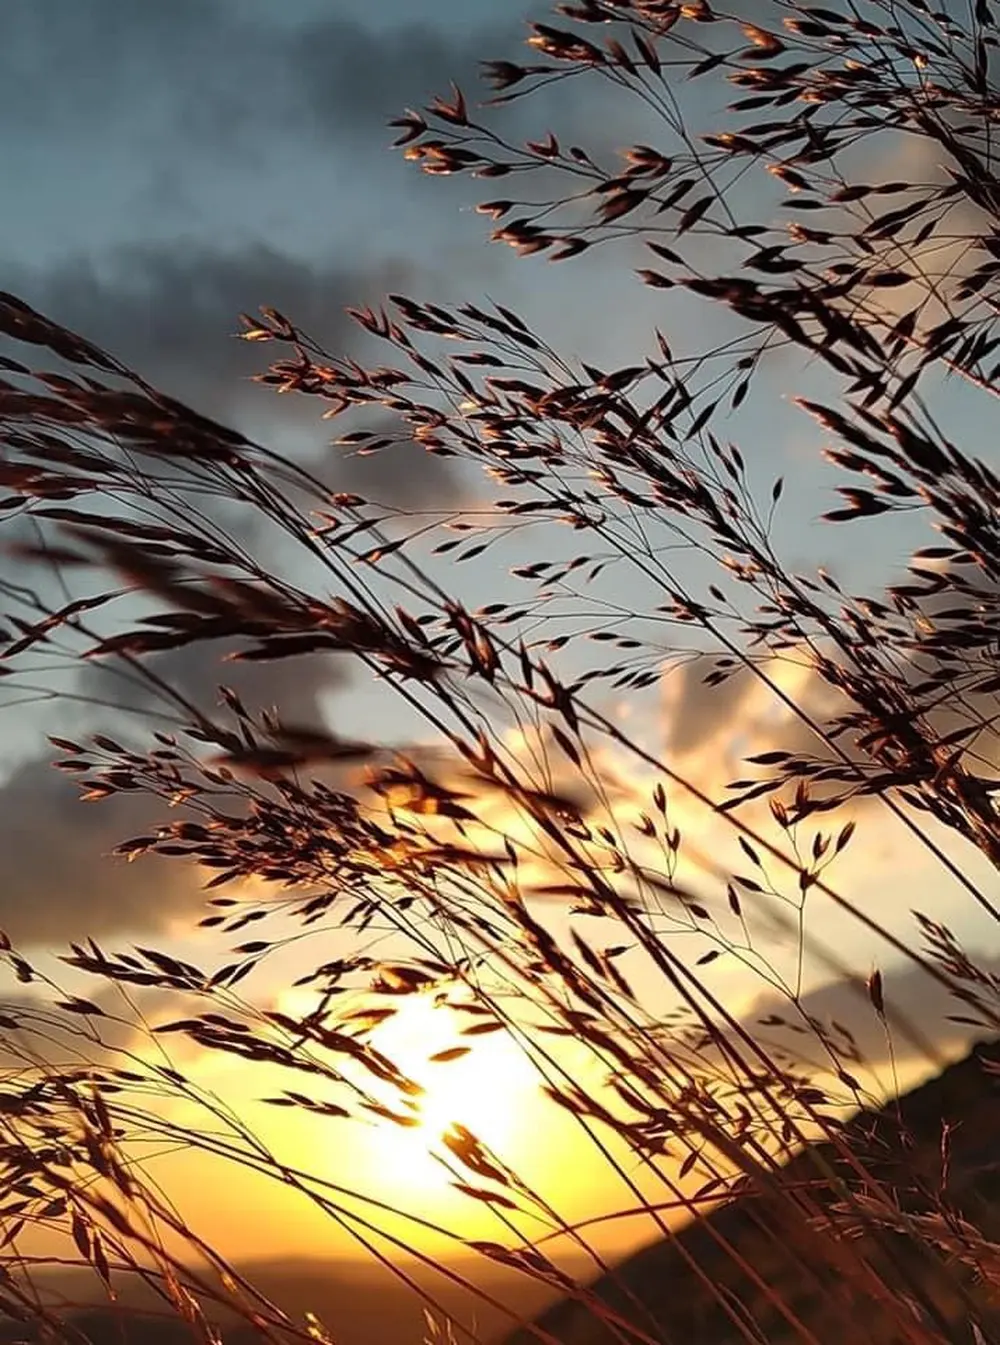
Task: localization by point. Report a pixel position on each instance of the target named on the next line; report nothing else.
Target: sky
(176, 164)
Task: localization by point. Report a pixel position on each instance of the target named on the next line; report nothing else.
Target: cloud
(171, 313)
(216, 76)
(348, 75)
(912, 999)
(38, 1031)
(296, 686)
(698, 711)
(712, 729)
(60, 882)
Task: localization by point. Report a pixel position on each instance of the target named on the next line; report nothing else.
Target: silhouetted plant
(521, 848)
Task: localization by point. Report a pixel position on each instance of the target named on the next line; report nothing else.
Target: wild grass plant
(516, 848)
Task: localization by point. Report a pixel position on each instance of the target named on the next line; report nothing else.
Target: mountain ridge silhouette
(899, 1142)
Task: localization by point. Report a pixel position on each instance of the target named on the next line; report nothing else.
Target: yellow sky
(493, 1092)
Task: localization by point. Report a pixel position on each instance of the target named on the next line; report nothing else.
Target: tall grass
(518, 844)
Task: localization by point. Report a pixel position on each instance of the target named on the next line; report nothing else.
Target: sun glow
(484, 1089)
(480, 1079)
(490, 1089)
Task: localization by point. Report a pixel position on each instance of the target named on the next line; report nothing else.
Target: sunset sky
(173, 165)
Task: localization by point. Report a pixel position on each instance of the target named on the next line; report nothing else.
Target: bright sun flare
(488, 1091)
(491, 1090)
(482, 1090)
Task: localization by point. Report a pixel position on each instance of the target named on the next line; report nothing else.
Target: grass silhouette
(522, 848)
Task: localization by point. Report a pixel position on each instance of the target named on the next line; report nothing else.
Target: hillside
(676, 1307)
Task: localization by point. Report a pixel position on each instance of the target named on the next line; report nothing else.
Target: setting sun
(488, 1089)
(480, 1080)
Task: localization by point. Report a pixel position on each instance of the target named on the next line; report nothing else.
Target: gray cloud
(170, 316)
(295, 686)
(38, 1030)
(59, 881)
(348, 75)
(59, 878)
(913, 999)
(171, 313)
(700, 709)
(220, 73)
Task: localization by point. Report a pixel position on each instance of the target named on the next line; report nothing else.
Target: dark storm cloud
(221, 73)
(59, 880)
(171, 313)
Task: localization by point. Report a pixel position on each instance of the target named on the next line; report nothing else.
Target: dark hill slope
(902, 1147)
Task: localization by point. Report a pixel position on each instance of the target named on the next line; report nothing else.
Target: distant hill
(359, 1302)
(678, 1309)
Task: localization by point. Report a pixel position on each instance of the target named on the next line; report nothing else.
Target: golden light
(482, 1080)
(487, 1088)
(490, 1090)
